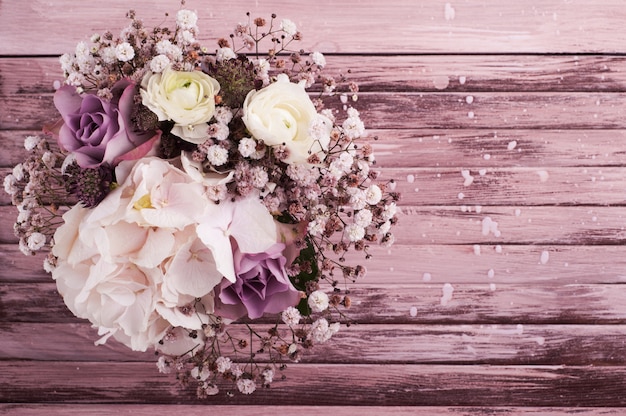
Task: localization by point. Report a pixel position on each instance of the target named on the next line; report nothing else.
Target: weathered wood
(476, 125)
(406, 73)
(517, 186)
(338, 385)
(536, 110)
(373, 344)
(16, 409)
(443, 263)
(441, 224)
(409, 304)
(460, 148)
(521, 186)
(381, 27)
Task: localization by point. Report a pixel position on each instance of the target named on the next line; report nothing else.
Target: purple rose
(98, 131)
(262, 285)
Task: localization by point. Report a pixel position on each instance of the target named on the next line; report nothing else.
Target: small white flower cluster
(38, 178)
(95, 64)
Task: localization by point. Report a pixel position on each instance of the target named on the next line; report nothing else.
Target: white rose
(283, 113)
(186, 98)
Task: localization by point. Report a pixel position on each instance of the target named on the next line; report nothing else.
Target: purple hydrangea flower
(262, 285)
(98, 131)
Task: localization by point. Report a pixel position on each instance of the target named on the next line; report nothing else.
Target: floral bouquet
(202, 203)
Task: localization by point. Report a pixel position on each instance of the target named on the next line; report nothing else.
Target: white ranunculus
(186, 98)
(283, 113)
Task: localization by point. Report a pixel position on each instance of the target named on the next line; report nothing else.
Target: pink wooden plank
(409, 304)
(334, 385)
(400, 26)
(201, 410)
(510, 344)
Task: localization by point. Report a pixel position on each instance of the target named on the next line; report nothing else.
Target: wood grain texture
(393, 385)
(407, 73)
(411, 304)
(494, 344)
(407, 264)
(259, 410)
(505, 112)
(541, 110)
(527, 26)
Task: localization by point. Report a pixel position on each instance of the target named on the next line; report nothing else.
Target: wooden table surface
(487, 112)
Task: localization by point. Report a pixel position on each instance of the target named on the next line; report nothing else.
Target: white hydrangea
(124, 52)
(291, 316)
(318, 59)
(289, 27)
(159, 63)
(217, 155)
(318, 301)
(225, 54)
